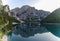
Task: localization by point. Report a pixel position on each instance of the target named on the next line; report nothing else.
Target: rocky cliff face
(6, 8)
(3, 8)
(0, 2)
(28, 12)
(5, 21)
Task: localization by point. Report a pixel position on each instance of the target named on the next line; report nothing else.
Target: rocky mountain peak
(0, 2)
(29, 12)
(6, 8)
(25, 6)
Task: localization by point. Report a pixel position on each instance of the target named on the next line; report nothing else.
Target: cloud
(48, 5)
(5, 2)
(18, 3)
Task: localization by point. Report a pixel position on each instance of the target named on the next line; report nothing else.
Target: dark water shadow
(53, 28)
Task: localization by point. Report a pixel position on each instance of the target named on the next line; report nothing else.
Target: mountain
(27, 12)
(54, 17)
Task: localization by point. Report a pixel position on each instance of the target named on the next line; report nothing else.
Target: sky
(47, 5)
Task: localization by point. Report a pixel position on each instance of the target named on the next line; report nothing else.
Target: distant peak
(26, 6)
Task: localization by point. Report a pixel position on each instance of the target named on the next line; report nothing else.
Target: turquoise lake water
(35, 32)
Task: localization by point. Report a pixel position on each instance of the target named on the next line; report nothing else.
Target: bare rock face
(28, 12)
(0, 2)
(3, 8)
(1, 5)
(6, 8)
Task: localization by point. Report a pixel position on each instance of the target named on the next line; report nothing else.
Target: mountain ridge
(54, 17)
(27, 11)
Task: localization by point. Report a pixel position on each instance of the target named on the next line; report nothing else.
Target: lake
(34, 32)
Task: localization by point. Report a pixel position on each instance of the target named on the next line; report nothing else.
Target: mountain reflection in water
(26, 30)
(33, 32)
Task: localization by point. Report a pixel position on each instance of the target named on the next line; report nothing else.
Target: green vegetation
(54, 17)
(6, 23)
